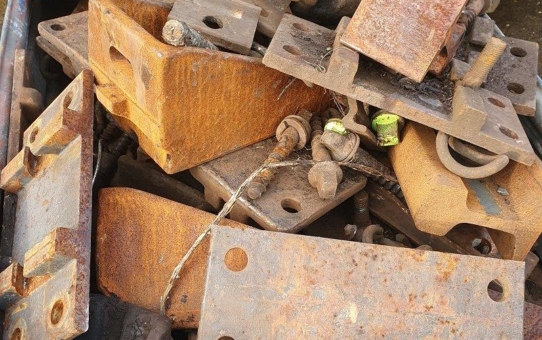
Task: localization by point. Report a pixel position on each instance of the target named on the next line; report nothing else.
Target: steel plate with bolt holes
(51, 178)
(313, 53)
(226, 23)
(514, 75)
(298, 287)
(290, 202)
(66, 40)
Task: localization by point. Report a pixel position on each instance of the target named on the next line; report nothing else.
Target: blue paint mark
(484, 197)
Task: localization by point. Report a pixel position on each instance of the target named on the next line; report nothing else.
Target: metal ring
(489, 169)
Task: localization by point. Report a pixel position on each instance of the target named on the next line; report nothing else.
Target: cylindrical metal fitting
(387, 126)
(491, 53)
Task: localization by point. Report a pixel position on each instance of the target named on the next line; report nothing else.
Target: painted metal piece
(514, 75)
(51, 177)
(142, 82)
(514, 221)
(350, 290)
(66, 40)
(387, 126)
(226, 23)
(289, 204)
(140, 239)
(313, 53)
(404, 35)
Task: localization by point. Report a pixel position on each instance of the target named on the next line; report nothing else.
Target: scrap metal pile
(271, 169)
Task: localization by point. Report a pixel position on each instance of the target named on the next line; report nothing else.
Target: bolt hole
(16, 335)
(300, 27)
(33, 135)
(236, 259)
(264, 13)
(508, 133)
(58, 27)
(481, 245)
(291, 206)
(226, 338)
(496, 291)
(67, 100)
(212, 22)
(57, 311)
(515, 88)
(292, 50)
(496, 102)
(518, 52)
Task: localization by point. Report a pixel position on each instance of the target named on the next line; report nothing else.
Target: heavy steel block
(440, 200)
(186, 105)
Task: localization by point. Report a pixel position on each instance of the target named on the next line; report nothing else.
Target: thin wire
(98, 161)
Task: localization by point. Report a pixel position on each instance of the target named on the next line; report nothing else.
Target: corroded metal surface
(66, 40)
(405, 35)
(271, 14)
(532, 326)
(513, 219)
(140, 239)
(51, 177)
(290, 202)
(514, 75)
(142, 81)
(298, 287)
(226, 23)
(314, 54)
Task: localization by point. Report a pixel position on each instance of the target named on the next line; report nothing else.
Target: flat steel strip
(298, 287)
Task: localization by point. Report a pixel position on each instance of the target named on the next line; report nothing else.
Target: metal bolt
(178, 33)
(292, 133)
(491, 53)
(345, 148)
(387, 126)
(326, 175)
(362, 217)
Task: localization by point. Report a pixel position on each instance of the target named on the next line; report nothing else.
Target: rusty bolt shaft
(476, 76)
(178, 33)
(362, 217)
(284, 148)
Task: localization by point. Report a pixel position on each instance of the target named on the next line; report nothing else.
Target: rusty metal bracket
(505, 203)
(51, 177)
(140, 238)
(314, 53)
(142, 82)
(66, 40)
(352, 290)
(290, 202)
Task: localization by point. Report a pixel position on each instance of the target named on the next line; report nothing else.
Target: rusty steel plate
(405, 35)
(507, 203)
(140, 238)
(271, 14)
(51, 177)
(66, 40)
(313, 53)
(226, 23)
(298, 287)
(514, 75)
(290, 202)
(178, 99)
